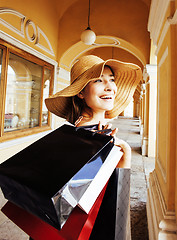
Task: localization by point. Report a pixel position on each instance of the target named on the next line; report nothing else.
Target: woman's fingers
(114, 131)
(107, 126)
(99, 126)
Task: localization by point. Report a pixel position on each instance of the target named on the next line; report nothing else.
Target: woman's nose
(108, 87)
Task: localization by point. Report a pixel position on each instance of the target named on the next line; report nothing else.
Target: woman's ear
(80, 95)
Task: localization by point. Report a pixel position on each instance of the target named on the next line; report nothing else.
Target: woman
(99, 91)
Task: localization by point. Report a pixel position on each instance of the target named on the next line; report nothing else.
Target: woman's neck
(90, 118)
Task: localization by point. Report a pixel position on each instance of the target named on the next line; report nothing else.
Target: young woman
(99, 91)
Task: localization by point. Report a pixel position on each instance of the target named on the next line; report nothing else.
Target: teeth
(106, 97)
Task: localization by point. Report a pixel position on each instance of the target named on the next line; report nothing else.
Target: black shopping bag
(32, 177)
(112, 221)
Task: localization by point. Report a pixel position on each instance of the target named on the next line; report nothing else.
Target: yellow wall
(166, 119)
(175, 96)
(41, 13)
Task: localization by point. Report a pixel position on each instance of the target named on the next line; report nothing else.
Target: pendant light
(88, 36)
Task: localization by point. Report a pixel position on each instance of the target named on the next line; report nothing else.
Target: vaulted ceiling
(111, 20)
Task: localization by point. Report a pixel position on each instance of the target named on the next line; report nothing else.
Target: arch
(79, 49)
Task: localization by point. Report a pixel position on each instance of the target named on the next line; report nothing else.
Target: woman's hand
(125, 161)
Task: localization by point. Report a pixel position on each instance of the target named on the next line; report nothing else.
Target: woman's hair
(78, 106)
(76, 109)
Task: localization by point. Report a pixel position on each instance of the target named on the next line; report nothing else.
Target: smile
(106, 97)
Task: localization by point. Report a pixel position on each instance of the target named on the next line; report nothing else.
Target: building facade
(39, 42)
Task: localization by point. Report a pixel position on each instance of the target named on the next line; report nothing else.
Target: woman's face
(99, 94)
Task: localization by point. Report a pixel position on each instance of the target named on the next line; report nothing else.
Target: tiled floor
(141, 166)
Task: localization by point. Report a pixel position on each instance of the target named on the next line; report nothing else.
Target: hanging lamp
(88, 36)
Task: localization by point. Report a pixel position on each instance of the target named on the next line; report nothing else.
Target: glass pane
(23, 94)
(47, 81)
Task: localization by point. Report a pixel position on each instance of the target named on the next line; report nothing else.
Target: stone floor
(128, 130)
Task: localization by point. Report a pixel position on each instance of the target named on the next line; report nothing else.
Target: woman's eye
(98, 80)
(112, 80)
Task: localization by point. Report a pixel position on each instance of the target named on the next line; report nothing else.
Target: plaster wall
(162, 196)
(43, 15)
(166, 144)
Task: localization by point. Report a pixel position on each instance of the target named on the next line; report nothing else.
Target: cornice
(156, 17)
(24, 24)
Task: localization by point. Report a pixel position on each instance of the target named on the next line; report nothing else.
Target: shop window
(26, 82)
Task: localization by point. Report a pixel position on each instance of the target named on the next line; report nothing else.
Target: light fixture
(88, 36)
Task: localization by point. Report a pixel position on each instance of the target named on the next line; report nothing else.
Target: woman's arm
(125, 161)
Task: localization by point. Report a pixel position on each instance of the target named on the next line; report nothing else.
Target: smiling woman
(99, 90)
(99, 95)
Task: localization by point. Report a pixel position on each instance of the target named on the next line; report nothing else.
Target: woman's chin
(108, 108)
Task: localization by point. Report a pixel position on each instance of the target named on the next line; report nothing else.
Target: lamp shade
(88, 36)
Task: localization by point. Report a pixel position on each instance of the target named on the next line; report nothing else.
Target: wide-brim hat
(88, 68)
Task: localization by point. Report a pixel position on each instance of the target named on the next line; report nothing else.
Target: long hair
(76, 109)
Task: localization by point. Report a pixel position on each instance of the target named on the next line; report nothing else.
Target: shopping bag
(32, 178)
(85, 186)
(78, 226)
(112, 221)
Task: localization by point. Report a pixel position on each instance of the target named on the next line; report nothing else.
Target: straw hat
(87, 68)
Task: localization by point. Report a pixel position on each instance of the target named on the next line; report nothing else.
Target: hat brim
(127, 76)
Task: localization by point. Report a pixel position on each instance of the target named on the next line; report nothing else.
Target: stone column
(142, 109)
(152, 72)
(136, 107)
(146, 116)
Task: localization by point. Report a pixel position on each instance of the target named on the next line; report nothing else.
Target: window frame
(7, 49)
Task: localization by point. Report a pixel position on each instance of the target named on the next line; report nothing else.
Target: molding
(162, 36)
(24, 28)
(115, 42)
(156, 17)
(29, 22)
(8, 38)
(173, 19)
(164, 56)
(145, 74)
(50, 50)
(64, 74)
(151, 68)
(76, 50)
(161, 223)
(152, 71)
(11, 27)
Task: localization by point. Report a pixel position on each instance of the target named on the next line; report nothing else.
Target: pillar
(142, 109)
(152, 72)
(146, 119)
(136, 107)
